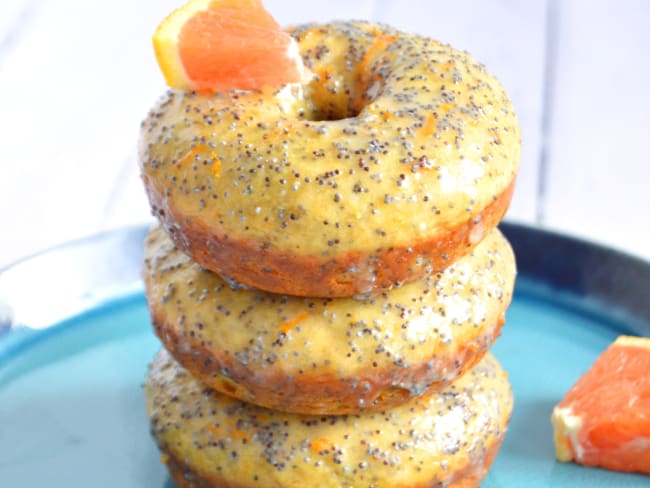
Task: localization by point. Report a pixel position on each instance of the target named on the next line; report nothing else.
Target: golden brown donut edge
(277, 271)
(454, 446)
(320, 393)
(468, 477)
(235, 340)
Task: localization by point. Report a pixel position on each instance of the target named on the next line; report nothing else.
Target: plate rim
(564, 263)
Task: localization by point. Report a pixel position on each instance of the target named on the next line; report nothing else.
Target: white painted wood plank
(128, 204)
(509, 38)
(289, 12)
(599, 164)
(73, 90)
(13, 17)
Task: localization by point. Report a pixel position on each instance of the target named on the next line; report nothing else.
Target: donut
(392, 162)
(211, 440)
(328, 355)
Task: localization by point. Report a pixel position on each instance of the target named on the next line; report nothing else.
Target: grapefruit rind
(632, 341)
(565, 433)
(165, 43)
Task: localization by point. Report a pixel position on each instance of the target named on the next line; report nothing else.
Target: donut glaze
(211, 440)
(328, 355)
(396, 159)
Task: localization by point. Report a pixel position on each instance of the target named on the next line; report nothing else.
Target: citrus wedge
(604, 419)
(220, 45)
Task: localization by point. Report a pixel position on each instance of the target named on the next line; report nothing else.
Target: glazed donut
(327, 356)
(396, 159)
(211, 440)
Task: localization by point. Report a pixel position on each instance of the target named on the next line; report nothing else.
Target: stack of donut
(327, 277)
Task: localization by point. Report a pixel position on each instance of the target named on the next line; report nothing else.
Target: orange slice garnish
(604, 419)
(221, 45)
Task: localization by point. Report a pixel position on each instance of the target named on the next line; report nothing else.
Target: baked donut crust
(396, 159)
(327, 356)
(211, 440)
(470, 477)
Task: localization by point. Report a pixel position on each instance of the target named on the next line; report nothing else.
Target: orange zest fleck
(231, 432)
(214, 429)
(446, 106)
(238, 434)
(320, 445)
(378, 45)
(448, 64)
(290, 324)
(190, 155)
(428, 128)
(326, 73)
(216, 166)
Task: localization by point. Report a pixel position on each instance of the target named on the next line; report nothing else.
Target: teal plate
(73, 357)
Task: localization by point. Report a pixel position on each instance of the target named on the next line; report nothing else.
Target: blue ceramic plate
(75, 341)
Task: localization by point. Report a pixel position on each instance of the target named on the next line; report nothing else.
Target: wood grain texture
(15, 16)
(599, 162)
(73, 93)
(289, 12)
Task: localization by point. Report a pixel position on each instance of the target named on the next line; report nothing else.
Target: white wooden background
(77, 76)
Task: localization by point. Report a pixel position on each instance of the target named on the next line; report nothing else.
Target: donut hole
(350, 67)
(333, 95)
